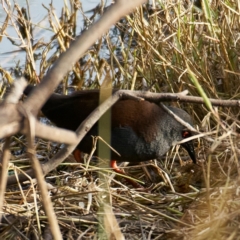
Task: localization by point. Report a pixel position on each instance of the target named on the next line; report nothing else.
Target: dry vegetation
(165, 47)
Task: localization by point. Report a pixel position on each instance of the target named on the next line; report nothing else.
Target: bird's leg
(114, 166)
(77, 155)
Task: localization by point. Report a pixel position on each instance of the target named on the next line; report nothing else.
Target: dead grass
(169, 47)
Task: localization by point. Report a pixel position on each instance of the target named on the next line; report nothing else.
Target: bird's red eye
(186, 134)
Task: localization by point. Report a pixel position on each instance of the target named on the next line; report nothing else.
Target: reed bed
(165, 46)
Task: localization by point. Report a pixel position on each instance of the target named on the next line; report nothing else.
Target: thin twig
(4, 173)
(48, 207)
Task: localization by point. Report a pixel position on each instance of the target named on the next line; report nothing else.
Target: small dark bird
(140, 131)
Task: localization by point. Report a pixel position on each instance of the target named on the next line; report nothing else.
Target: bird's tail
(28, 89)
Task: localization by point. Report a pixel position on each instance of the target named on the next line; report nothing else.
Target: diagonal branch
(65, 62)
